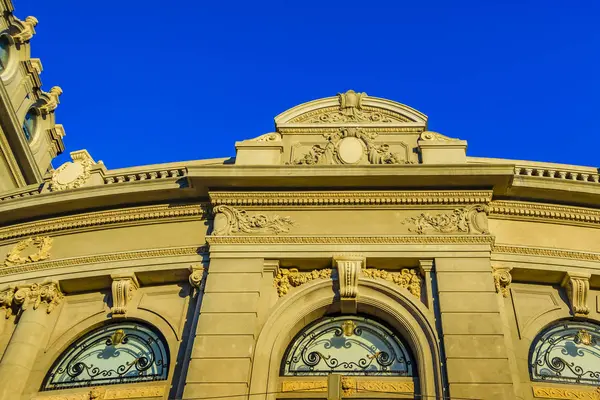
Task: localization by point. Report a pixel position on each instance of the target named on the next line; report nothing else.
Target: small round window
(30, 124)
(4, 52)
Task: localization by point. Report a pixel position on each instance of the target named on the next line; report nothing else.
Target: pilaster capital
(502, 280)
(123, 288)
(425, 266)
(36, 294)
(196, 277)
(577, 286)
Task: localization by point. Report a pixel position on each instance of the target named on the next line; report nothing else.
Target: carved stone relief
(567, 394)
(291, 278)
(351, 146)
(72, 175)
(502, 280)
(577, 286)
(53, 101)
(102, 393)
(123, 288)
(348, 268)
(36, 294)
(470, 220)
(41, 245)
(229, 221)
(195, 278)
(406, 278)
(27, 31)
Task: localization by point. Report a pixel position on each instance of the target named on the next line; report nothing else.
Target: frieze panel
(230, 221)
(467, 220)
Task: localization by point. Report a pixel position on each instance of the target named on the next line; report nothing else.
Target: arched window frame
(160, 361)
(350, 325)
(582, 337)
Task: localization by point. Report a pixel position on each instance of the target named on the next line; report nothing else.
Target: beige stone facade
(351, 213)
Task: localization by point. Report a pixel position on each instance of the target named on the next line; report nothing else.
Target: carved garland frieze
(35, 294)
(291, 278)
(502, 280)
(406, 278)
(351, 146)
(41, 245)
(468, 220)
(565, 393)
(230, 221)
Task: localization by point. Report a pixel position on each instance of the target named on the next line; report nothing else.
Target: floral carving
(470, 220)
(502, 280)
(405, 278)
(72, 175)
(290, 278)
(43, 244)
(6, 300)
(350, 146)
(229, 220)
(304, 386)
(35, 294)
(567, 394)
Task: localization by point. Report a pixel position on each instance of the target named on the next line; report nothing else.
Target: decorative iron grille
(350, 345)
(116, 353)
(567, 352)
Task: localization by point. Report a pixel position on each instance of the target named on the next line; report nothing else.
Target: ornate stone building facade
(351, 253)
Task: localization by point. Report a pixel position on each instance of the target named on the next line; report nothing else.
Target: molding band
(404, 239)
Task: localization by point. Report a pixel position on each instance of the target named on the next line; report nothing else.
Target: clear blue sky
(157, 81)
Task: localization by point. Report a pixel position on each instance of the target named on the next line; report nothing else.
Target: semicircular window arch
(567, 352)
(350, 345)
(117, 353)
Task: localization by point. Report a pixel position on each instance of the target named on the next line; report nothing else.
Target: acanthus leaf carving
(123, 288)
(502, 280)
(229, 220)
(35, 294)
(577, 286)
(405, 278)
(43, 244)
(469, 220)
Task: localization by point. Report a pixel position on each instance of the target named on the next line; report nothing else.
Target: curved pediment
(351, 108)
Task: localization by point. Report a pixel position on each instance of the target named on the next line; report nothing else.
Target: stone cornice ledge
(546, 252)
(354, 239)
(520, 210)
(350, 199)
(104, 258)
(127, 216)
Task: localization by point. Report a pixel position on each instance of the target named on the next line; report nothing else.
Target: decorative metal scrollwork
(567, 352)
(117, 353)
(350, 345)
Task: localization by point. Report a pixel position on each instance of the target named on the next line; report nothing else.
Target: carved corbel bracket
(577, 286)
(36, 294)
(502, 280)
(348, 267)
(123, 288)
(195, 278)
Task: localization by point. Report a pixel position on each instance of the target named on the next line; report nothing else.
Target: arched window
(4, 52)
(567, 352)
(117, 353)
(350, 345)
(30, 125)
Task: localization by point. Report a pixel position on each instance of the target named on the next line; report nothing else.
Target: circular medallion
(70, 173)
(350, 150)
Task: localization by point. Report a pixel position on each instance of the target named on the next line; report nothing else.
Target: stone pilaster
(477, 358)
(37, 301)
(226, 329)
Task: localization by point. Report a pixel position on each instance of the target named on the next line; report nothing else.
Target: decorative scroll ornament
(195, 278)
(229, 220)
(101, 393)
(350, 109)
(502, 280)
(566, 394)
(72, 175)
(406, 278)
(430, 135)
(348, 269)
(35, 294)
(42, 244)
(304, 386)
(469, 220)
(290, 278)
(123, 288)
(324, 347)
(268, 137)
(577, 286)
(568, 352)
(27, 32)
(53, 101)
(140, 355)
(351, 146)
